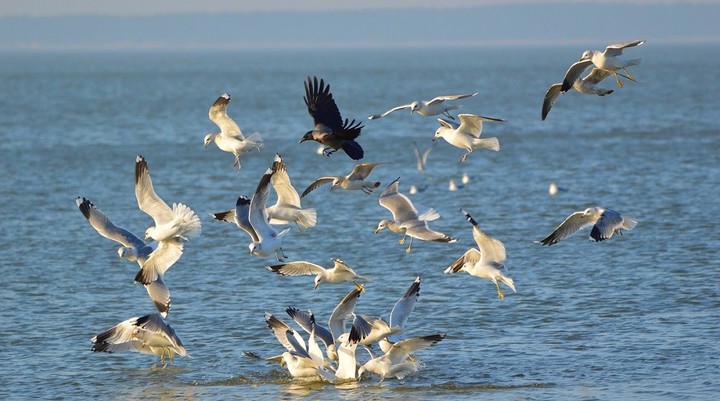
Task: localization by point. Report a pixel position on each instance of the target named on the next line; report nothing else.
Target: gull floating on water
(230, 139)
(339, 273)
(172, 226)
(429, 107)
(353, 181)
(586, 86)
(553, 189)
(399, 361)
(606, 60)
(407, 219)
(484, 262)
(330, 130)
(466, 135)
(135, 249)
(605, 223)
(147, 334)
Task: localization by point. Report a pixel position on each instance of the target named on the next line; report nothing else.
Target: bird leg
(630, 77)
(617, 78)
(402, 240)
(236, 163)
(500, 293)
(279, 259)
(464, 157)
(299, 229)
(447, 114)
(328, 151)
(409, 248)
(367, 190)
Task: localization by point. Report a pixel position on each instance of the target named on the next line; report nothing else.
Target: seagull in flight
(330, 130)
(339, 273)
(429, 108)
(606, 60)
(353, 181)
(605, 223)
(230, 139)
(466, 135)
(586, 86)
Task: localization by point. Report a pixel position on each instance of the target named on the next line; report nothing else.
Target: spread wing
(218, 115)
(572, 224)
(342, 311)
(396, 108)
(404, 349)
(303, 319)
(287, 195)
(573, 74)
(317, 183)
(258, 212)
(404, 306)
(552, 95)
(440, 99)
(470, 256)
(362, 170)
(148, 201)
(617, 48)
(242, 217)
(299, 268)
(321, 105)
(161, 259)
(605, 227)
(492, 250)
(105, 227)
(398, 204)
(280, 330)
(160, 295)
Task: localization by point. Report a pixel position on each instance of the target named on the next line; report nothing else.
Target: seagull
(172, 226)
(429, 108)
(466, 135)
(422, 156)
(485, 262)
(402, 309)
(339, 273)
(398, 361)
(230, 139)
(135, 249)
(288, 208)
(353, 181)
(605, 223)
(330, 130)
(586, 86)
(301, 361)
(407, 220)
(147, 334)
(607, 60)
(553, 189)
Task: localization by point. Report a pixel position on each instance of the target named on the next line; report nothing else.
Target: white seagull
(407, 219)
(147, 334)
(605, 223)
(398, 361)
(230, 139)
(606, 60)
(421, 157)
(486, 261)
(353, 181)
(586, 86)
(428, 107)
(339, 273)
(287, 208)
(466, 135)
(135, 249)
(172, 226)
(303, 362)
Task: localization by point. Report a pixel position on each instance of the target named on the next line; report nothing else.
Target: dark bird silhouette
(330, 129)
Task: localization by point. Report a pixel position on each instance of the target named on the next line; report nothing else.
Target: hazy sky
(154, 7)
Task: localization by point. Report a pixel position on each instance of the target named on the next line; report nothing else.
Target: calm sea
(636, 317)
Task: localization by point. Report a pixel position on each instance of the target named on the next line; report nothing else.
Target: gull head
(592, 211)
(149, 233)
(383, 224)
(209, 138)
(337, 182)
(127, 253)
(415, 106)
(439, 133)
(587, 55)
(318, 279)
(307, 137)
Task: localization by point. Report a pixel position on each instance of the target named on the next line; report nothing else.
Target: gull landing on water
(429, 108)
(605, 223)
(466, 135)
(606, 60)
(230, 139)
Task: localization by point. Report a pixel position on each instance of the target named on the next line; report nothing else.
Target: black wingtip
(469, 218)
(242, 200)
(141, 167)
(84, 205)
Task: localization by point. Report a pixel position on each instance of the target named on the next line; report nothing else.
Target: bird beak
(205, 145)
(302, 140)
(316, 286)
(377, 230)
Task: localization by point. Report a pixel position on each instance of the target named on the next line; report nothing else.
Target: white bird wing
(242, 217)
(492, 250)
(218, 115)
(551, 96)
(617, 48)
(287, 195)
(280, 329)
(298, 347)
(470, 256)
(605, 226)
(155, 325)
(317, 183)
(304, 320)
(596, 75)
(448, 124)
(105, 227)
(402, 350)
(161, 259)
(573, 74)
(299, 268)
(120, 333)
(362, 170)
(258, 213)
(440, 99)
(148, 201)
(396, 108)
(572, 224)
(398, 204)
(471, 124)
(342, 311)
(404, 306)
(160, 295)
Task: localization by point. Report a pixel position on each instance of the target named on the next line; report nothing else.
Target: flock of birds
(174, 226)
